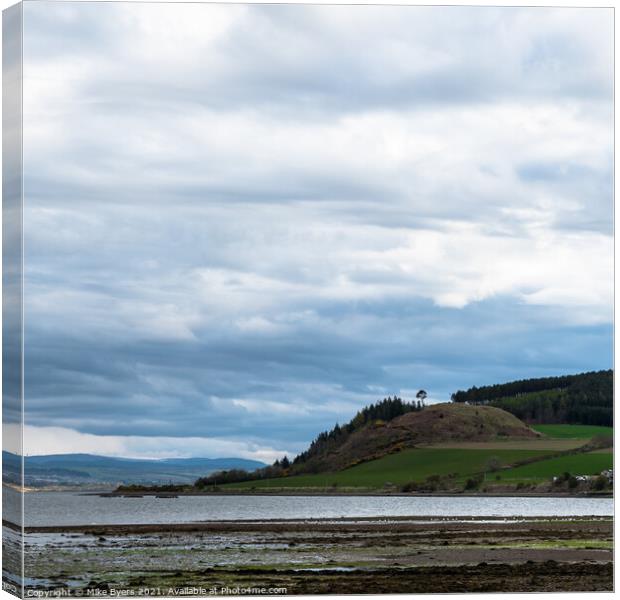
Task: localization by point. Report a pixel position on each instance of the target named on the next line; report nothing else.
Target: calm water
(66, 508)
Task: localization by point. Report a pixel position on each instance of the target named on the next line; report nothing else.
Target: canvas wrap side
(12, 296)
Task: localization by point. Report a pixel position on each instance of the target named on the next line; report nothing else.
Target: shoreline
(107, 493)
(333, 494)
(375, 523)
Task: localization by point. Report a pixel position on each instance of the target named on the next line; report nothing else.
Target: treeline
(237, 475)
(584, 399)
(387, 409)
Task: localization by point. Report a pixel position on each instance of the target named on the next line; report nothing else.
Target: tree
(459, 396)
(421, 395)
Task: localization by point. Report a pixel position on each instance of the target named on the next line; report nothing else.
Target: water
(67, 508)
(11, 506)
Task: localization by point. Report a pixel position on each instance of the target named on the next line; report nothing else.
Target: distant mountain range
(90, 469)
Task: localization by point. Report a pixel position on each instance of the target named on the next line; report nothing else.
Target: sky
(244, 223)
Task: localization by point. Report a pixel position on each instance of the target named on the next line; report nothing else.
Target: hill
(455, 447)
(581, 399)
(368, 440)
(375, 414)
(436, 423)
(89, 469)
(453, 455)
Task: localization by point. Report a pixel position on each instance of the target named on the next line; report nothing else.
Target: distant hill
(581, 399)
(365, 440)
(80, 469)
(436, 423)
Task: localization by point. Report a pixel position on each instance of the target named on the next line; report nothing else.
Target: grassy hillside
(371, 452)
(396, 445)
(460, 459)
(401, 468)
(318, 456)
(577, 432)
(591, 463)
(439, 422)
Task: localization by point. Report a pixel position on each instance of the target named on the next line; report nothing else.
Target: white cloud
(62, 440)
(464, 264)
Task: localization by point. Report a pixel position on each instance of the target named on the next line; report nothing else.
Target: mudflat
(319, 556)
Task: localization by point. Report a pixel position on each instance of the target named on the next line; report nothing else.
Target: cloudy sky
(244, 223)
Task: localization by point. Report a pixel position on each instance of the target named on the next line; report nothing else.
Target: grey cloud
(589, 189)
(221, 242)
(106, 389)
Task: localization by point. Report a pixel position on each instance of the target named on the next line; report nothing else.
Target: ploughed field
(527, 462)
(371, 555)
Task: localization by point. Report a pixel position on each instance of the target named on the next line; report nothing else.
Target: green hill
(574, 432)
(377, 449)
(437, 423)
(589, 463)
(413, 465)
(446, 446)
(450, 446)
(498, 466)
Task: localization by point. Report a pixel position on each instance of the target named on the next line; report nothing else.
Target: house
(582, 478)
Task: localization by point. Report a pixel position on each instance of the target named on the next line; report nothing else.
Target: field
(463, 460)
(581, 432)
(549, 445)
(401, 468)
(591, 463)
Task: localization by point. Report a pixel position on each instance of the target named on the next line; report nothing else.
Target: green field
(417, 464)
(577, 464)
(401, 468)
(582, 432)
